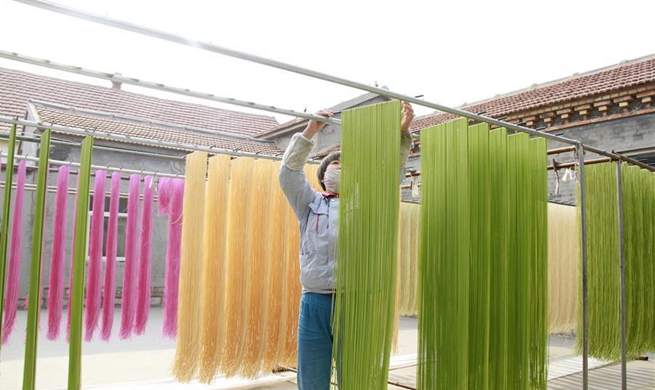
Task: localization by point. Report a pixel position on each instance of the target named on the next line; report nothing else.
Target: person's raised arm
(292, 178)
(405, 134)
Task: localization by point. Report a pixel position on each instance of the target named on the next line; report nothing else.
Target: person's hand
(314, 127)
(407, 117)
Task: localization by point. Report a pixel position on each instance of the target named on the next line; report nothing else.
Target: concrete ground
(147, 359)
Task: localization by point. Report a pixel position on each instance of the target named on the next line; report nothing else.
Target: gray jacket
(318, 216)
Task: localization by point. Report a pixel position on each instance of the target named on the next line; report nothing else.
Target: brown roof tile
(633, 73)
(152, 132)
(16, 87)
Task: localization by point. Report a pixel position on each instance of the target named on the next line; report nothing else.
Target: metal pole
(268, 62)
(160, 87)
(619, 190)
(585, 304)
(146, 122)
(364, 87)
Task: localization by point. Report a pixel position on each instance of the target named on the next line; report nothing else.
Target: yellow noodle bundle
(563, 258)
(190, 293)
(237, 270)
(213, 304)
(258, 281)
(276, 294)
(408, 258)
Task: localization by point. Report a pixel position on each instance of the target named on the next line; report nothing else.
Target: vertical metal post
(585, 303)
(619, 189)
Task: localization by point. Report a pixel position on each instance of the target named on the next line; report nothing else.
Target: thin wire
(69, 190)
(138, 140)
(124, 118)
(104, 168)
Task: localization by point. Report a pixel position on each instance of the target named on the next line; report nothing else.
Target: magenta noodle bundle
(13, 274)
(128, 302)
(173, 193)
(57, 259)
(110, 269)
(93, 286)
(143, 288)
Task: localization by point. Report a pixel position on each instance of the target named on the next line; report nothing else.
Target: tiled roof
(16, 87)
(576, 87)
(113, 126)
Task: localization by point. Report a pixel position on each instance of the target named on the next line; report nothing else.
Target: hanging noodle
(479, 287)
(276, 293)
(13, 268)
(483, 265)
(444, 260)
(563, 257)
(239, 214)
(368, 240)
(94, 284)
(128, 301)
(603, 263)
(603, 256)
(173, 193)
(190, 289)
(499, 273)
(145, 267)
(257, 310)
(109, 296)
(213, 292)
(57, 260)
(289, 340)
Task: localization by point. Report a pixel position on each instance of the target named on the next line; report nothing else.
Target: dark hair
(324, 164)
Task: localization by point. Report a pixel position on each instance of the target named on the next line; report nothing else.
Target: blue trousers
(315, 342)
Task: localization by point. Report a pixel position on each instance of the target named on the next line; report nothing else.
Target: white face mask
(331, 179)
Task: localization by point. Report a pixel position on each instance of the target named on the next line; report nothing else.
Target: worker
(318, 216)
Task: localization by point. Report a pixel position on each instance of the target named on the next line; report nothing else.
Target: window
(122, 227)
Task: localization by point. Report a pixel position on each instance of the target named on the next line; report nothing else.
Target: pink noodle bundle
(171, 199)
(143, 288)
(72, 262)
(56, 283)
(94, 286)
(110, 270)
(13, 274)
(128, 303)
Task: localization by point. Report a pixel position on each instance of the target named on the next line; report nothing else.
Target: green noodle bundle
(603, 261)
(368, 239)
(483, 265)
(603, 257)
(638, 203)
(603, 270)
(444, 258)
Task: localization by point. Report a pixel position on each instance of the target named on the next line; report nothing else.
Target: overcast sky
(452, 52)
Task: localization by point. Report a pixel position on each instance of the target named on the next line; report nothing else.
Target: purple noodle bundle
(94, 286)
(13, 274)
(110, 270)
(128, 303)
(171, 197)
(143, 288)
(57, 259)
